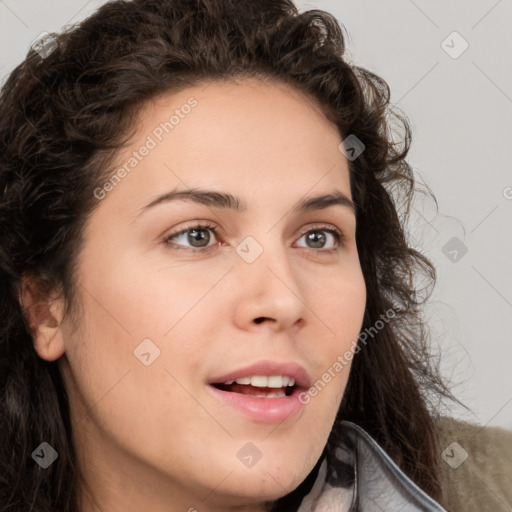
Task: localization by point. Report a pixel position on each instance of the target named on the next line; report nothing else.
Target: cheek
(340, 307)
(123, 327)
(150, 297)
(340, 304)
(138, 313)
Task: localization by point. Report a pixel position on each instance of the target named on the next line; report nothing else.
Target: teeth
(259, 381)
(262, 381)
(277, 381)
(275, 394)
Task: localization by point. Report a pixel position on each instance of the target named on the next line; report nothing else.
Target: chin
(267, 480)
(244, 487)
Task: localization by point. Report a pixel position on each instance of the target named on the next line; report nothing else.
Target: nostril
(262, 319)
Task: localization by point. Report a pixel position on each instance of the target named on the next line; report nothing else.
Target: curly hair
(63, 116)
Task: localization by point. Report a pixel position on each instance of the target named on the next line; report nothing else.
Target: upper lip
(265, 367)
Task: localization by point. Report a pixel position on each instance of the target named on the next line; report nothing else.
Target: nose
(269, 292)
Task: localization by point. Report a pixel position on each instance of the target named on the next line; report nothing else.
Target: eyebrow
(225, 200)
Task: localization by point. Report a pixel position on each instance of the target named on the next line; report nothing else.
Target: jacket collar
(362, 477)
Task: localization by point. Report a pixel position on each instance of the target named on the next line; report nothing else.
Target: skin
(152, 437)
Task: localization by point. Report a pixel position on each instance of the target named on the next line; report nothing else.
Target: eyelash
(338, 235)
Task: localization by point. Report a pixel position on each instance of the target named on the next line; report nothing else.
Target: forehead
(247, 136)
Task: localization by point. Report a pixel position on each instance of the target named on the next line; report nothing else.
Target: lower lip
(264, 410)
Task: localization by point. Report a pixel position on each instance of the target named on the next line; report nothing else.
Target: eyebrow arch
(224, 200)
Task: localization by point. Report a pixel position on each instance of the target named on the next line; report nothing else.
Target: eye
(198, 236)
(317, 238)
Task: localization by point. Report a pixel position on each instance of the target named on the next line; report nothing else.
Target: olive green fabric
(476, 467)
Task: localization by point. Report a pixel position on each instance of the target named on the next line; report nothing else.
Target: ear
(43, 316)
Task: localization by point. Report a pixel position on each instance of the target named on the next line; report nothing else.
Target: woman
(209, 295)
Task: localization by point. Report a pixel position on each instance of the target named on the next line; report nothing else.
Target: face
(182, 294)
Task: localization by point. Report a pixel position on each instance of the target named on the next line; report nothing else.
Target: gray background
(460, 110)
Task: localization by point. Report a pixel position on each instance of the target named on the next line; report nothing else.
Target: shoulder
(476, 466)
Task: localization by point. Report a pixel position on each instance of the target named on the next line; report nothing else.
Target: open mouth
(264, 392)
(257, 391)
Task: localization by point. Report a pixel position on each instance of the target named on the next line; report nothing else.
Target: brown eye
(197, 237)
(317, 238)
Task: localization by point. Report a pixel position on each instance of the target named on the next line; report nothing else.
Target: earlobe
(43, 317)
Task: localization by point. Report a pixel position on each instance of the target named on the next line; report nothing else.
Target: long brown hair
(63, 115)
